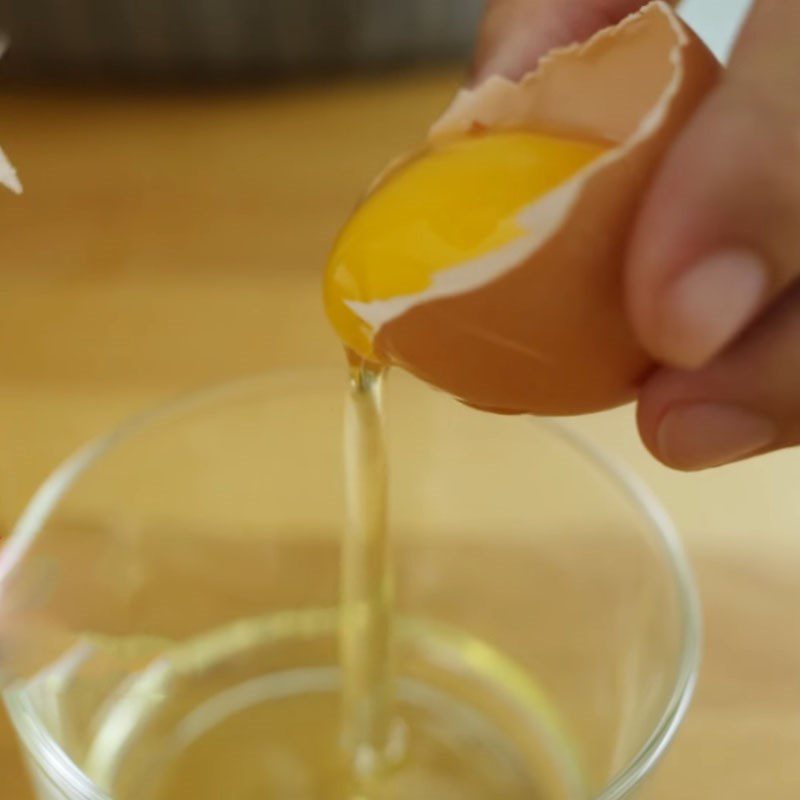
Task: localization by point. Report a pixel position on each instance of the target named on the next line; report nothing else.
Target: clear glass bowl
(168, 601)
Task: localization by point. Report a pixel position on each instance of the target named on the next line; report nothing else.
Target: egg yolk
(453, 203)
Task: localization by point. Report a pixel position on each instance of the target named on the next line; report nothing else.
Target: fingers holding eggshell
(744, 403)
(718, 237)
(539, 325)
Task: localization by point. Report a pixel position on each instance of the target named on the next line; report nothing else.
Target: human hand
(714, 260)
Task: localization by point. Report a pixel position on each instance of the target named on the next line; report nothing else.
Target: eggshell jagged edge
(662, 71)
(533, 104)
(8, 175)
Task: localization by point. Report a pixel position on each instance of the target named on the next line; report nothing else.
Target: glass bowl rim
(48, 755)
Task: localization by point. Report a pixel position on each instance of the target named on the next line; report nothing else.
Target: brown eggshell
(548, 334)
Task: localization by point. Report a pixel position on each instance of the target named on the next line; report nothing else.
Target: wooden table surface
(171, 240)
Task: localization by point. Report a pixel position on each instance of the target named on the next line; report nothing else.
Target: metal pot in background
(208, 38)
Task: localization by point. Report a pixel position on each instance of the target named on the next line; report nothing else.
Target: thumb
(514, 34)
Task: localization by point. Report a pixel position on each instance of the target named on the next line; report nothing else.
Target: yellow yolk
(453, 203)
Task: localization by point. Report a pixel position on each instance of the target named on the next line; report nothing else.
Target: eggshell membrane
(539, 325)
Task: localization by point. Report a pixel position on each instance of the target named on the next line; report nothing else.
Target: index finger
(717, 239)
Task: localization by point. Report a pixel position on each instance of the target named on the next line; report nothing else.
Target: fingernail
(702, 435)
(709, 305)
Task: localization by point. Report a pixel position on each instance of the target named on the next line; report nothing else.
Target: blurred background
(186, 166)
(200, 40)
(212, 39)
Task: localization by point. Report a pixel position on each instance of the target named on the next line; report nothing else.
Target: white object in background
(8, 175)
(717, 21)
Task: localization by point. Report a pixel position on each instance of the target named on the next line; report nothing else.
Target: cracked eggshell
(539, 325)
